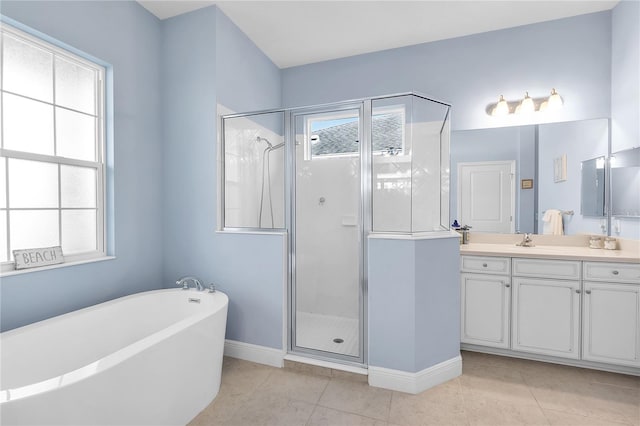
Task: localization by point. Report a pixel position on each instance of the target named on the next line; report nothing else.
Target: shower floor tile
(316, 331)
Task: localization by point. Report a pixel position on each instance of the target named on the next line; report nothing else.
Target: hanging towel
(552, 222)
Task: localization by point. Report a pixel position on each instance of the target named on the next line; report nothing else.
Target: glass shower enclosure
(332, 177)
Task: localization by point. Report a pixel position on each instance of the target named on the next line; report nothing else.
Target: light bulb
(502, 107)
(527, 105)
(554, 101)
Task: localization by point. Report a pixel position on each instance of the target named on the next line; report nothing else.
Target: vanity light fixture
(554, 101)
(526, 105)
(501, 108)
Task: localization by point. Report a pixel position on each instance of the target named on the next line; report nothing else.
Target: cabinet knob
(615, 272)
(484, 265)
(588, 291)
(578, 291)
(507, 285)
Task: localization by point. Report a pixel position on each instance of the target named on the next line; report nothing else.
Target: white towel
(552, 222)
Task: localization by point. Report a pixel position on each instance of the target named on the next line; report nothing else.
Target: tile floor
(491, 391)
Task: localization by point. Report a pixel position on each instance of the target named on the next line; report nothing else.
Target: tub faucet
(184, 282)
(527, 241)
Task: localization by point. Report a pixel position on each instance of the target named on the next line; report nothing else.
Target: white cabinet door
(546, 317)
(485, 310)
(611, 330)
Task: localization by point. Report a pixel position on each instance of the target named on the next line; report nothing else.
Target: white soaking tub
(152, 358)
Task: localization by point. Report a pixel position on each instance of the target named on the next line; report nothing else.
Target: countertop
(551, 252)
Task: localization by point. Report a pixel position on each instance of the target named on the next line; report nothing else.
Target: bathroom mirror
(515, 198)
(592, 188)
(625, 181)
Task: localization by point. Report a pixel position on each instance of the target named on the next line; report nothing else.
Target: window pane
(28, 125)
(32, 184)
(3, 236)
(3, 182)
(75, 135)
(27, 70)
(75, 86)
(78, 187)
(333, 135)
(78, 231)
(33, 229)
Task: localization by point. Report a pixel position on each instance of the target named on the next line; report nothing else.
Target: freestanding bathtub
(152, 358)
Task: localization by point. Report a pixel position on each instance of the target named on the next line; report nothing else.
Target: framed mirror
(547, 175)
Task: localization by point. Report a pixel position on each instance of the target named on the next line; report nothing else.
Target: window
(332, 134)
(336, 134)
(52, 151)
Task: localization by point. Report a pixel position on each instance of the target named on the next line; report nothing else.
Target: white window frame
(7, 267)
(325, 116)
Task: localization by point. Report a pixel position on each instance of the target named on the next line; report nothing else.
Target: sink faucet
(184, 282)
(464, 230)
(527, 241)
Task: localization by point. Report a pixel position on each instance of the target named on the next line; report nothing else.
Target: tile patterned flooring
(492, 390)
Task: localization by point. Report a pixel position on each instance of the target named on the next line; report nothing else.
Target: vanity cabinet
(611, 313)
(583, 311)
(546, 307)
(486, 301)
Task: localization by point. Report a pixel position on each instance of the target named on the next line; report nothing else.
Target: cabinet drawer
(480, 264)
(542, 268)
(613, 272)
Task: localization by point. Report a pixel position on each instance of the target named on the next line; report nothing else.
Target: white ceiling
(305, 31)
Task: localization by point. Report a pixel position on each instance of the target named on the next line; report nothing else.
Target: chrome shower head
(259, 139)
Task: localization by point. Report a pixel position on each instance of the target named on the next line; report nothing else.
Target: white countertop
(551, 252)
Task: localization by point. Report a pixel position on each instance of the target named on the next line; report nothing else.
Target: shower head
(259, 139)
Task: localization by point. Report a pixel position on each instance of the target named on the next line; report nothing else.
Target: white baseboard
(415, 382)
(254, 353)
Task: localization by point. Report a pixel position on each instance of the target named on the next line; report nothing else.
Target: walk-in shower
(349, 172)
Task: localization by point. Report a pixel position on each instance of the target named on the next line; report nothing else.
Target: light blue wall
(437, 301)
(391, 303)
(221, 66)
(247, 80)
(527, 170)
(572, 55)
(555, 140)
(625, 93)
(414, 303)
(625, 76)
(126, 36)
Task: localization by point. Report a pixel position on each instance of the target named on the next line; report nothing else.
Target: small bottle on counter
(610, 243)
(595, 242)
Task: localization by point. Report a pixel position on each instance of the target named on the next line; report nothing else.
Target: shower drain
(338, 340)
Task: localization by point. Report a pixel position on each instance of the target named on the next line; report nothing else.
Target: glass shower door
(327, 273)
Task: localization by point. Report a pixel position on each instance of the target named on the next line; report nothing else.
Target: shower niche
(334, 176)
